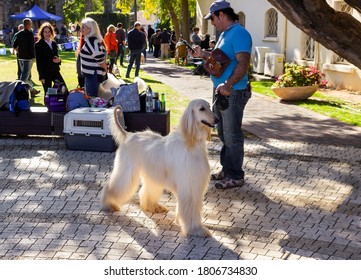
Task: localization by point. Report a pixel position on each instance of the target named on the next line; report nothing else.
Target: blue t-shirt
(233, 40)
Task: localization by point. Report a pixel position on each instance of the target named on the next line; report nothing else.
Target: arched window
(271, 23)
(242, 19)
(308, 48)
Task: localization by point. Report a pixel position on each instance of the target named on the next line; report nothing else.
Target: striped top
(92, 54)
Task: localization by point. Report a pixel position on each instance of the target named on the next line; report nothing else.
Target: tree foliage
(74, 10)
(178, 12)
(335, 30)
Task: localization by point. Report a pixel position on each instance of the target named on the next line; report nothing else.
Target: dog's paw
(155, 208)
(200, 231)
(110, 207)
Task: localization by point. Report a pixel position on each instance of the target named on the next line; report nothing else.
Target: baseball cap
(216, 6)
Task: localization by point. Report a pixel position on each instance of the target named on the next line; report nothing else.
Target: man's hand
(224, 89)
(196, 51)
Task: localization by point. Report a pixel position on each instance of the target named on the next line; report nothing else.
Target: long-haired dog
(177, 162)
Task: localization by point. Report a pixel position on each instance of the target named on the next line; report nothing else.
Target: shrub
(299, 75)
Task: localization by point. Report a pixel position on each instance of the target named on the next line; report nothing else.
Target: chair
(181, 53)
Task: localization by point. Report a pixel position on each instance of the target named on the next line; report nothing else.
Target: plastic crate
(87, 129)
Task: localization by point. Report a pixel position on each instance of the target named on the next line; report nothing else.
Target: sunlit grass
(175, 102)
(340, 109)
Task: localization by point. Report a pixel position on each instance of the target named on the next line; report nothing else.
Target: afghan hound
(177, 162)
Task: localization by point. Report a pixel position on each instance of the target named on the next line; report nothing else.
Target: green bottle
(162, 103)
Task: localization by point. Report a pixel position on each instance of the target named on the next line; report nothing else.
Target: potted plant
(299, 82)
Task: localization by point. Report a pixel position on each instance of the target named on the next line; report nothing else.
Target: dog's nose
(216, 120)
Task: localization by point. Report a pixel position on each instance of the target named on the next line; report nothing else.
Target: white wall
(288, 41)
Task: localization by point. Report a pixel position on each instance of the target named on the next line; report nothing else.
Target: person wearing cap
(136, 43)
(236, 42)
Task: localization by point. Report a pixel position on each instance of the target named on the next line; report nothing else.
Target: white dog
(177, 162)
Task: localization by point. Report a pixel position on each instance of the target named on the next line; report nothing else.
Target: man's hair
(119, 25)
(26, 22)
(229, 12)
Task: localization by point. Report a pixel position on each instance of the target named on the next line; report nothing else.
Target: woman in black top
(47, 59)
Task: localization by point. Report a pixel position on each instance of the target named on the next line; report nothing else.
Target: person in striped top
(93, 56)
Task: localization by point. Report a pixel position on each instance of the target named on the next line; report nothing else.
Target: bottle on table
(155, 101)
(162, 103)
(148, 100)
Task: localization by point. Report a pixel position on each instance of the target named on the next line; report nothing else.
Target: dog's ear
(188, 126)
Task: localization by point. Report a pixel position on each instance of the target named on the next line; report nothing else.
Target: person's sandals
(228, 183)
(218, 176)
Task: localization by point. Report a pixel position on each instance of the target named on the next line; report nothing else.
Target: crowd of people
(96, 54)
(94, 50)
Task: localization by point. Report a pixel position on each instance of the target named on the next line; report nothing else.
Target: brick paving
(301, 199)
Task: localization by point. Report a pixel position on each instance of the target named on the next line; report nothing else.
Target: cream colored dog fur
(177, 162)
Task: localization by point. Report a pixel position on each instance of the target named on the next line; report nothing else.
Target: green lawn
(340, 109)
(8, 72)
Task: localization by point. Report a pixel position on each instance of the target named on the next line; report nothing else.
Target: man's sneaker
(228, 183)
(218, 176)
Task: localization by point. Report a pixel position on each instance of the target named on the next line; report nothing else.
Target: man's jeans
(135, 55)
(25, 68)
(230, 133)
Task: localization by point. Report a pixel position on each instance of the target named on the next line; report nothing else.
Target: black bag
(221, 101)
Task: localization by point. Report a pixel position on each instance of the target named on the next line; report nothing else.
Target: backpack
(19, 99)
(77, 99)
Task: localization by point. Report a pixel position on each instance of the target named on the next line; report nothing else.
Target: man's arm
(239, 71)
(199, 53)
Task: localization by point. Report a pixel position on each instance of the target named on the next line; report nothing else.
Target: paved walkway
(301, 199)
(265, 117)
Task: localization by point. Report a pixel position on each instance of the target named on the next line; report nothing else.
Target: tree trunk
(43, 4)
(185, 20)
(174, 18)
(335, 30)
(108, 6)
(88, 6)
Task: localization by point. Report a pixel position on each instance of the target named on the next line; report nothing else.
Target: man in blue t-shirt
(236, 43)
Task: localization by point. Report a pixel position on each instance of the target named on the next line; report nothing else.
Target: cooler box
(55, 102)
(87, 129)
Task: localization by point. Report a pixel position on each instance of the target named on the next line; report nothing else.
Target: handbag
(127, 96)
(216, 63)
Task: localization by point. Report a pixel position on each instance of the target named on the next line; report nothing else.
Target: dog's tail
(118, 131)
